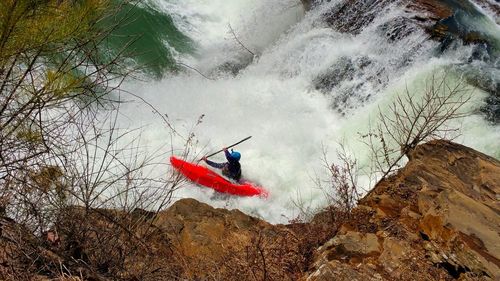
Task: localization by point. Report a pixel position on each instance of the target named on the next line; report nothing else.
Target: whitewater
(272, 97)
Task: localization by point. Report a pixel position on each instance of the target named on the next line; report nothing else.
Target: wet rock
(353, 16)
(398, 28)
(492, 109)
(310, 4)
(343, 80)
(450, 22)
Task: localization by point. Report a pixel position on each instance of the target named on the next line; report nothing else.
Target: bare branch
(231, 30)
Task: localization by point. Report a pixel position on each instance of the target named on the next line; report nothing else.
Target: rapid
(263, 68)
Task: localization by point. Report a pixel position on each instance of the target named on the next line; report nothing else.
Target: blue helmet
(235, 155)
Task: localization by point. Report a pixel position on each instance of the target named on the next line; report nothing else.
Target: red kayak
(206, 177)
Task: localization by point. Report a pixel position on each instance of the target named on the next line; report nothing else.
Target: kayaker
(231, 168)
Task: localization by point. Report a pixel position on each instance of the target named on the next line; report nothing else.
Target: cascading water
(305, 87)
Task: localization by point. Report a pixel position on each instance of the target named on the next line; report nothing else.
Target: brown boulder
(219, 244)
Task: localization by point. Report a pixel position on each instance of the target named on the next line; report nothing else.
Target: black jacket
(231, 168)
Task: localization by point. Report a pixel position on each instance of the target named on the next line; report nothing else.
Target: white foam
(273, 100)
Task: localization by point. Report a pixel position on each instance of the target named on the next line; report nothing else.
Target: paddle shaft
(229, 146)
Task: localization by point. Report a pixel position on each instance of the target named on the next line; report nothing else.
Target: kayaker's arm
(215, 165)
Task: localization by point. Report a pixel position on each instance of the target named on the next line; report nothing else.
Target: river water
(269, 70)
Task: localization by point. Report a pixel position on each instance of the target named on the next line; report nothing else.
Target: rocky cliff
(438, 218)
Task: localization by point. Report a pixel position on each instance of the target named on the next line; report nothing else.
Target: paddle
(229, 146)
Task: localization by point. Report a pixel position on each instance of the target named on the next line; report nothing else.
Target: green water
(149, 33)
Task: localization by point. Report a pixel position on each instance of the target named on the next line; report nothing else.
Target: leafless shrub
(341, 188)
(269, 255)
(64, 162)
(411, 120)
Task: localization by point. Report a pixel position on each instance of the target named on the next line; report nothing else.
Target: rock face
(437, 219)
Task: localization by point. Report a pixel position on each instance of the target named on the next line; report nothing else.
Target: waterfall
(302, 90)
